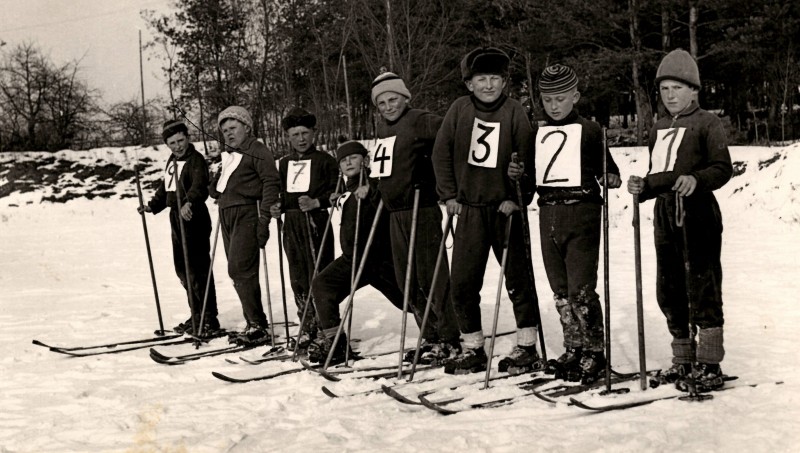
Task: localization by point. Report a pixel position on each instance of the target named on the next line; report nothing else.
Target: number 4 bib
(298, 176)
(381, 156)
(558, 156)
(665, 150)
(484, 144)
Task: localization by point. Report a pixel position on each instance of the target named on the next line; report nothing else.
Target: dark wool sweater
(193, 183)
(591, 165)
(254, 179)
(347, 230)
(703, 153)
(411, 160)
(475, 185)
(324, 174)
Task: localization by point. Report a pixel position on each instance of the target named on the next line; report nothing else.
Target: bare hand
(685, 185)
(635, 185)
(516, 170)
(507, 207)
(614, 181)
(143, 209)
(362, 192)
(307, 203)
(186, 211)
(275, 211)
(453, 207)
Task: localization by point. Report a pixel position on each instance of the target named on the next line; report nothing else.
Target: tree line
(271, 55)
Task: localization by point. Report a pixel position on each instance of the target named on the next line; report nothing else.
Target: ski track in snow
(76, 273)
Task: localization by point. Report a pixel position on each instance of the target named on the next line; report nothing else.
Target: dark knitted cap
(348, 148)
(299, 117)
(557, 79)
(484, 60)
(172, 127)
(679, 65)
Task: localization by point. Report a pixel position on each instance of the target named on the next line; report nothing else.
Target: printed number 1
(297, 174)
(482, 140)
(555, 156)
(674, 134)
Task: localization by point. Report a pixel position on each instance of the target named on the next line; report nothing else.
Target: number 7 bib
(665, 149)
(298, 176)
(558, 156)
(484, 144)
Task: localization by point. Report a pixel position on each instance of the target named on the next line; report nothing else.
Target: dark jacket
(324, 173)
(254, 179)
(193, 182)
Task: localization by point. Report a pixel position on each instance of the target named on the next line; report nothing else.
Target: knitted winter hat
(557, 79)
(348, 148)
(484, 60)
(299, 117)
(388, 81)
(172, 127)
(237, 113)
(679, 65)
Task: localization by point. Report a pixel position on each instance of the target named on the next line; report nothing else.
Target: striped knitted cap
(679, 65)
(172, 127)
(388, 81)
(557, 79)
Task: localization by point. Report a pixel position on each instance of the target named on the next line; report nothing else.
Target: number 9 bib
(665, 150)
(484, 144)
(169, 175)
(558, 156)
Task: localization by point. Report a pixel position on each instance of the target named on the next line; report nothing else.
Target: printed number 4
(380, 157)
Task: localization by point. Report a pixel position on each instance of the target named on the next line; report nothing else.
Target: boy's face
(676, 95)
(391, 105)
(559, 105)
(178, 144)
(486, 87)
(301, 138)
(234, 132)
(351, 165)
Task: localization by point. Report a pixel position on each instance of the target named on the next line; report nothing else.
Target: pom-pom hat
(484, 60)
(299, 117)
(388, 81)
(237, 113)
(679, 65)
(557, 79)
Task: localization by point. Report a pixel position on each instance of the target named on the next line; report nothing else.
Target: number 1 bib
(381, 156)
(558, 156)
(298, 176)
(169, 175)
(484, 144)
(665, 150)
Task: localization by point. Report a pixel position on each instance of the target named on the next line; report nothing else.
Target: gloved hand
(262, 232)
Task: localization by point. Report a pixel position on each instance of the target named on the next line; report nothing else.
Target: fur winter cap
(679, 65)
(348, 148)
(484, 60)
(388, 81)
(557, 79)
(237, 113)
(298, 117)
(172, 127)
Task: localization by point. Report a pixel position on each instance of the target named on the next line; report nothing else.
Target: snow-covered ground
(76, 273)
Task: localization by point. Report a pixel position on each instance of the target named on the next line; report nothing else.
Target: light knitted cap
(237, 113)
(679, 65)
(557, 79)
(388, 81)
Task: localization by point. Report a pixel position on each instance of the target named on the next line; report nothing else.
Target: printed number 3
(487, 130)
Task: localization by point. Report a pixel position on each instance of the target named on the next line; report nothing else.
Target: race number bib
(381, 157)
(484, 144)
(558, 156)
(665, 150)
(298, 176)
(169, 175)
(229, 163)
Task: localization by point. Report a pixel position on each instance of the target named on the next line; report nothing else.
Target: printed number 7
(302, 166)
(555, 156)
(482, 140)
(674, 134)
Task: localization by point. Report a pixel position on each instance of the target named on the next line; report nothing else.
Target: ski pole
(407, 284)
(210, 274)
(283, 279)
(526, 237)
(436, 269)
(349, 303)
(266, 283)
(503, 263)
(606, 288)
(355, 262)
(637, 247)
(160, 331)
(189, 288)
(309, 299)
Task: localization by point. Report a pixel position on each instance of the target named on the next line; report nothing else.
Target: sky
(103, 34)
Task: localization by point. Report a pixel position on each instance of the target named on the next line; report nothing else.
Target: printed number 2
(555, 156)
(487, 130)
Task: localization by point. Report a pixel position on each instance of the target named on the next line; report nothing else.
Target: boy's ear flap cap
(484, 60)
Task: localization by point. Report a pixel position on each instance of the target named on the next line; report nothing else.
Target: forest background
(272, 55)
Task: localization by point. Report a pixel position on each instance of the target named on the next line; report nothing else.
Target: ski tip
(221, 376)
(544, 398)
(433, 406)
(328, 392)
(39, 343)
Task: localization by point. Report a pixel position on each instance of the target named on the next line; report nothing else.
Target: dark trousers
(300, 256)
(703, 222)
(570, 240)
(239, 225)
(197, 231)
(480, 229)
(332, 286)
(441, 324)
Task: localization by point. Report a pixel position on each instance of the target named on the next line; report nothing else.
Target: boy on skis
(473, 150)
(569, 164)
(333, 284)
(402, 164)
(248, 177)
(193, 180)
(689, 159)
(308, 177)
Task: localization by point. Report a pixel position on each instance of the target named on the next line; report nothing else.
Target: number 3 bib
(484, 144)
(558, 156)
(665, 150)
(298, 176)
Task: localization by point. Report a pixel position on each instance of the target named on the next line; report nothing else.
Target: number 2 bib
(558, 156)
(169, 175)
(484, 144)
(298, 176)
(381, 157)
(665, 150)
